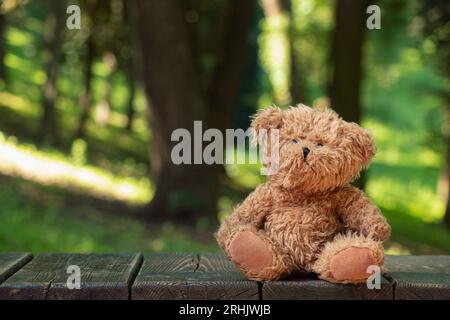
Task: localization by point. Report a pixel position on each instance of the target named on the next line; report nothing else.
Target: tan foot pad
(249, 252)
(352, 263)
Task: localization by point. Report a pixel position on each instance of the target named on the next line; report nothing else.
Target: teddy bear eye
(294, 141)
(320, 145)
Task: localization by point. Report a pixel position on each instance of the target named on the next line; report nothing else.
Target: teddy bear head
(317, 150)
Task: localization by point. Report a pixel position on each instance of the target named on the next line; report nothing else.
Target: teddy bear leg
(257, 256)
(346, 258)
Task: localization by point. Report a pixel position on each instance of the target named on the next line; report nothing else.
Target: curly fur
(308, 212)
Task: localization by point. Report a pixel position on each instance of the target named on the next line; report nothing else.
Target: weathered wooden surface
(307, 287)
(103, 276)
(203, 276)
(163, 276)
(10, 263)
(217, 278)
(191, 276)
(420, 277)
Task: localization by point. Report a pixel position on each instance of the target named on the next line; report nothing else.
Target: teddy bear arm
(250, 214)
(359, 213)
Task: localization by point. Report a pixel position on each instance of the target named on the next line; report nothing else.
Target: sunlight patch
(34, 165)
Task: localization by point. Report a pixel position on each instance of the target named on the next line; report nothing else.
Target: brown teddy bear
(307, 216)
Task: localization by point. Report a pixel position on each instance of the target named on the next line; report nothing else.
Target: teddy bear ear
(268, 118)
(361, 142)
(265, 120)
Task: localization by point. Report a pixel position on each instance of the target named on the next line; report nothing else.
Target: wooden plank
(191, 276)
(306, 286)
(217, 278)
(163, 276)
(103, 276)
(10, 263)
(420, 277)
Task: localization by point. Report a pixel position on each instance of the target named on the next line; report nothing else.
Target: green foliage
(29, 226)
(78, 152)
(402, 105)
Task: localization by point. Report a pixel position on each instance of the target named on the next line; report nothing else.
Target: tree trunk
(53, 37)
(446, 220)
(175, 102)
(176, 99)
(346, 57)
(296, 83)
(2, 46)
(86, 98)
(133, 64)
(114, 39)
(224, 87)
(278, 10)
(103, 109)
(131, 93)
(347, 45)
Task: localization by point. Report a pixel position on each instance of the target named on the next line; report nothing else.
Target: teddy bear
(307, 216)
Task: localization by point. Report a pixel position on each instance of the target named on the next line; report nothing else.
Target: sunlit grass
(27, 226)
(410, 196)
(405, 179)
(28, 163)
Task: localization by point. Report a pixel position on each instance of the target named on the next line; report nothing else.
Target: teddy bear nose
(305, 152)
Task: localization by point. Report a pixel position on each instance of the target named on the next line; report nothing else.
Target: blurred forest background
(86, 115)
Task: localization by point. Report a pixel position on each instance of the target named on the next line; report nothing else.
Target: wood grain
(309, 289)
(217, 278)
(203, 276)
(191, 276)
(306, 286)
(10, 263)
(103, 276)
(420, 277)
(163, 276)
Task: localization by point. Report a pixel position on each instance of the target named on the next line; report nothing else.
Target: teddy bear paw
(352, 263)
(250, 253)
